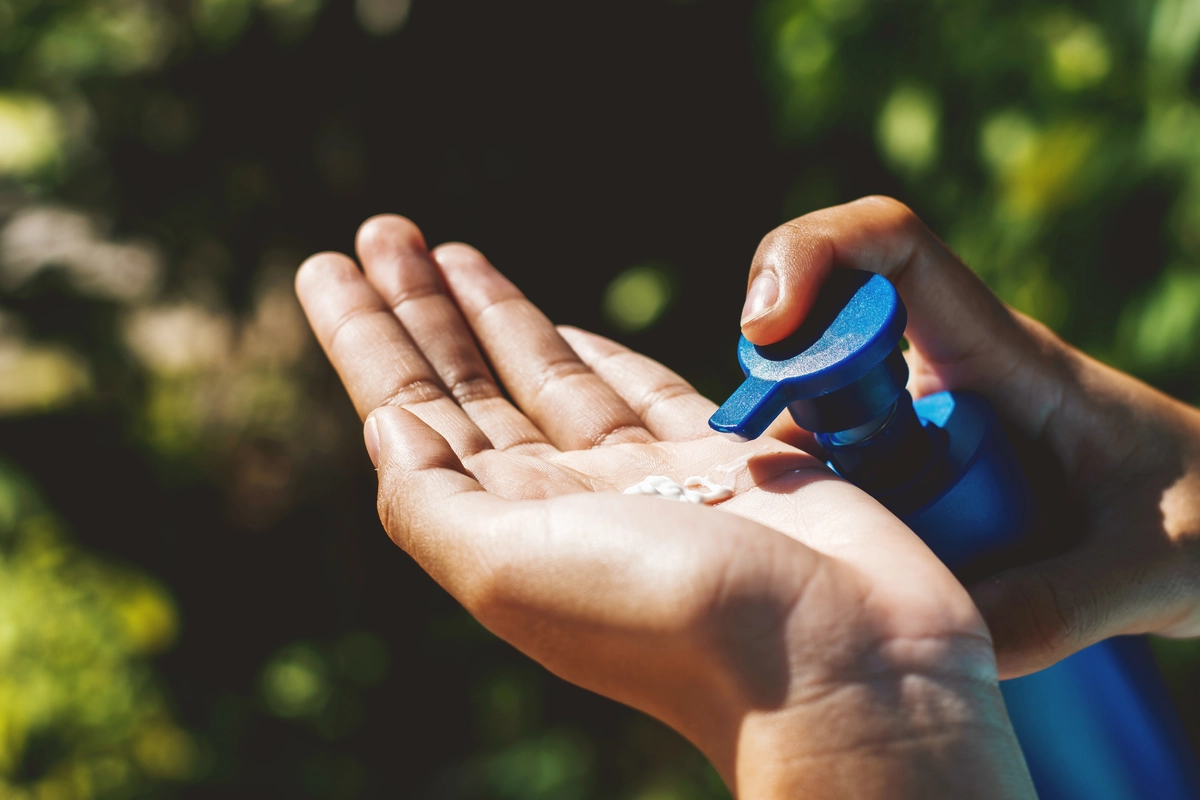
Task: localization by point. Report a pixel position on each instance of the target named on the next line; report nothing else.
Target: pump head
(840, 371)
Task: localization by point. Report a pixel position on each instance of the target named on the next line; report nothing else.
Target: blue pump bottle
(1096, 726)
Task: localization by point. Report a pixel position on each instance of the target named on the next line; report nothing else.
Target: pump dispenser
(1098, 725)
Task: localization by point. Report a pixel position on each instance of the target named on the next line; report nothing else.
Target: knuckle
(773, 247)
(405, 294)
(340, 327)
(802, 240)
(895, 212)
(472, 388)
(884, 201)
(620, 434)
(661, 394)
(555, 370)
(395, 522)
(414, 392)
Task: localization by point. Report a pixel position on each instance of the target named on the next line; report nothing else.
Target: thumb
(429, 504)
(950, 310)
(1043, 612)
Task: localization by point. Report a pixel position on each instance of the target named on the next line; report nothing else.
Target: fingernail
(371, 437)
(764, 291)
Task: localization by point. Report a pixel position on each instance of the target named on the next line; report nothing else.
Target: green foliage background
(194, 597)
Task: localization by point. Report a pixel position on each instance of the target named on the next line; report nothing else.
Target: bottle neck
(864, 431)
(892, 454)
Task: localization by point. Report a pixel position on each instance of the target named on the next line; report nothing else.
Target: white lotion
(695, 489)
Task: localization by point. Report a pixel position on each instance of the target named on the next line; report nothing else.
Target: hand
(1130, 454)
(800, 635)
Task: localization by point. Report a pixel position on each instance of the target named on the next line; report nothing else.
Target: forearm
(915, 737)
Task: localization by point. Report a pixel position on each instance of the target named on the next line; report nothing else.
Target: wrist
(901, 736)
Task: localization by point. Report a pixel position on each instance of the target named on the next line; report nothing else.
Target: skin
(1128, 456)
(803, 638)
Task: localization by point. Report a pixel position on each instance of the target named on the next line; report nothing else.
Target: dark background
(221, 613)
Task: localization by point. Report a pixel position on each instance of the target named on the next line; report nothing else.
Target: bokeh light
(637, 297)
(908, 128)
(296, 683)
(39, 377)
(30, 133)
(48, 237)
(1078, 54)
(382, 17)
(109, 36)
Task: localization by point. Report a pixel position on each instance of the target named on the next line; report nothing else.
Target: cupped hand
(798, 633)
(1129, 454)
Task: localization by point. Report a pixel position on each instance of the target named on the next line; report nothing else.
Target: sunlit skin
(1130, 454)
(803, 638)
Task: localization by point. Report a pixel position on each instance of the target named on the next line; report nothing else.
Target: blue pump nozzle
(839, 370)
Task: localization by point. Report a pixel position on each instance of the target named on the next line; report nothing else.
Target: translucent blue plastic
(1099, 724)
(1096, 726)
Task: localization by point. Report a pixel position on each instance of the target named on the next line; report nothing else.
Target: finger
(429, 504)
(671, 409)
(377, 362)
(397, 263)
(962, 330)
(565, 399)
(879, 235)
(923, 378)
(1041, 613)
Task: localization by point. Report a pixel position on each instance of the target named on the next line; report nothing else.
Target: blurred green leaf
(80, 712)
(1163, 329)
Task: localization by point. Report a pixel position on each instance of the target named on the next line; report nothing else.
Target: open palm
(796, 599)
